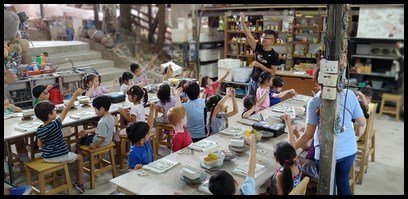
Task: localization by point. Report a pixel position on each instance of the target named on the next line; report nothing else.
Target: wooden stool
(125, 147)
(89, 166)
(390, 109)
(167, 139)
(42, 168)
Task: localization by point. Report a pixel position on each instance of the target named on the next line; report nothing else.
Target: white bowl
(215, 163)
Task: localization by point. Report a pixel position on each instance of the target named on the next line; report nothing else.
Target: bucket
(241, 74)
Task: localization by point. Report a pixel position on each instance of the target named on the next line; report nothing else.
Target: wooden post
(96, 15)
(42, 11)
(162, 26)
(125, 21)
(327, 138)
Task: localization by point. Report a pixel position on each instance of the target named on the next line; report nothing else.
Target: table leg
(10, 159)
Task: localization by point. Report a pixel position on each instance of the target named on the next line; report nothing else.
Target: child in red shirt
(210, 87)
(180, 136)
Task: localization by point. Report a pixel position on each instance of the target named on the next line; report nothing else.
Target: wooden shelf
(301, 42)
(302, 57)
(305, 33)
(305, 26)
(308, 16)
(374, 74)
(376, 57)
(232, 55)
(240, 31)
(275, 44)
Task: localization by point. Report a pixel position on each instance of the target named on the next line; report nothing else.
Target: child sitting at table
(138, 133)
(250, 107)
(210, 87)
(217, 119)
(10, 108)
(53, 144)
(40, 93)
(137, 112)
(141, 74)
(265, 80)
(222, 183)
(195, 111)
(364, 96)
(125, 82)
(101, 135)
(93, 88)
(275, 93)
(288, 176)
(180, 136)
(166, 101)
(183, 85)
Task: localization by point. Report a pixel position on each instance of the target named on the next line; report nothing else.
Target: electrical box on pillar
(328, 76)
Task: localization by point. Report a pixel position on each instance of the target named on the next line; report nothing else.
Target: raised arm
(114, 84)
(250, 38)
(234, 104)
(70, 103)
(225, 76)
(218, 108)
(152, 60)
(291, 135)
(152, 113)
(252, 156)
(177, 96)
(283, 93)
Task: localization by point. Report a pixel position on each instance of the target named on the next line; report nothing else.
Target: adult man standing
(266, 59)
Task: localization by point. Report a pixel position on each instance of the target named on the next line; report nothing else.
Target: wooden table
(10, 124)
(169, 182)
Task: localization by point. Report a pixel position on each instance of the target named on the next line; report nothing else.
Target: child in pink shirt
(210, 87)
(265, 80)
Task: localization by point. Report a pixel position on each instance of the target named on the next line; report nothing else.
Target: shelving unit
(383, 75)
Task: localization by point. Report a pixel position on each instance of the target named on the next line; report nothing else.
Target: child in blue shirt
(275, 94)
(138, 133)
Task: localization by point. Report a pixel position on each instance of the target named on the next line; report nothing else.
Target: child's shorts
(70, 157)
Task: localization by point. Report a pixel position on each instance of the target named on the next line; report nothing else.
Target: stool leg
(32, 153)
(382, 107)
(54, 179)
(122, 153)
(112, 160)
(373, 147)
(42, 183)
(92, 170)
(397, 112)
(28, 175)
(68, 179)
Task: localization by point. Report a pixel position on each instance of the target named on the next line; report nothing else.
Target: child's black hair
(204, 81)
(285, 155)
(210, 106)
(126, 76)
(134, 67)
(137, 131)
(269, 32)
(102, 101)
(192, 91)
(366, 91)
(265, 76)
(139, 92)
(221, 183)
(277, 82)
(249, 102)
(164, 93)
(181, 83)
(43, 109)
(89, 78)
